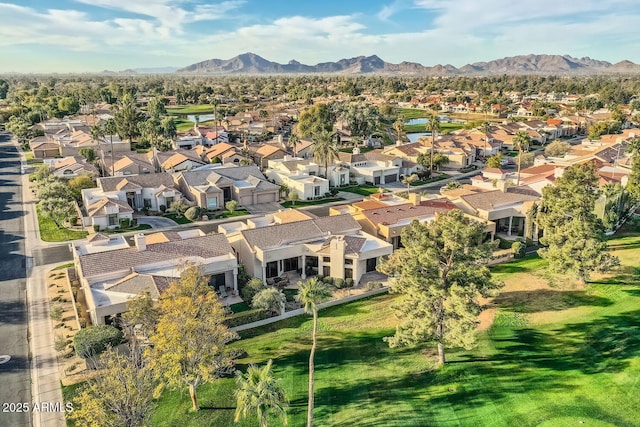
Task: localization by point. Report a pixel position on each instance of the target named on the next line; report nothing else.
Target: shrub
(373, 285)
(163, 208)
(60, 343)
(56, 312)
(504, 244)
(252, 287)
(328, 280)
(125, 222)
(96, 228)
(92, 341)
(231, 206)
(244, 317)
(518, 249)
(338, 283)
(320, 277)
(349, 282)
(271, 299)
(192, 213)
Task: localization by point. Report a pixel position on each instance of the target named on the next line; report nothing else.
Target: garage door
(246, 200)
(390, 178)
(266, 198)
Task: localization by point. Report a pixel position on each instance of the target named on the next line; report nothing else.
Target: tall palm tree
(433, 126)
(293, 142)
(486, 129)
(258, 390)
(216, 120)
(325, 150)
(409, 180)
(398, 125)
(310, 294)
(521, 142)
(110, 128)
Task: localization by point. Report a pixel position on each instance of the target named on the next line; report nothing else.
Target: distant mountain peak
(251, 63)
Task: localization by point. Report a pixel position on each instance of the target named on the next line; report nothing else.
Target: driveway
(156, 221)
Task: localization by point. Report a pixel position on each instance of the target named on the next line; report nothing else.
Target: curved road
(14, 373)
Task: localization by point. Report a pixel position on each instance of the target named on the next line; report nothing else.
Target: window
(326, 271)
(326, 259)
(113, 219)
(348, 261)
(169, 200)
(147, 203)
(212, 203)
(316, 190)
(272, 269)
(348, 273)
(371, 264)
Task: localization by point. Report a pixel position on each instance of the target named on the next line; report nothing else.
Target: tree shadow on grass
(547, 300)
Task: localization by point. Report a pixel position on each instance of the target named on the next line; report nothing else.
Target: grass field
(413, 113)
(546, 355)
(363, 190)
(49, 231)
(227, 214)
(444, 127)
(180, 219)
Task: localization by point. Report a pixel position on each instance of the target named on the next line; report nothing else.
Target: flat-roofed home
(210, 187)
(332, 246)
(111, 272)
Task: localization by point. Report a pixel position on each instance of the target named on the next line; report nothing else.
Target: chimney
(398, 143)
(140, 241)
(414, 199)
(503, 184)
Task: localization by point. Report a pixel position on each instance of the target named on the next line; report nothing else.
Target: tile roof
(490, 200)
(353, 245)
(267, 150)
(151, 180)
(390, 215)
(97, 237)
(209, 246)
(227, 176)
(292, 215)
(277, 235)
(99, 208)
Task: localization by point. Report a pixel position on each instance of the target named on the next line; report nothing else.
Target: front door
(371, 264)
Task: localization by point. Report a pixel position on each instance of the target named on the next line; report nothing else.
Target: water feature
(203, 117)
(423, 120)
(413, 137)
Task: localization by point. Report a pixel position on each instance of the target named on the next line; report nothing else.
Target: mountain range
(250, 63)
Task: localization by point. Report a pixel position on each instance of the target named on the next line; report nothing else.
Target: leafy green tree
(88, 153)
(573, 235)
(94, 340)
(258, 390)
(521, 142)
(193, 213)
(127, 118)
(68, 105)
(19, 127)
(557, 148)
(494, 161)
(633, 185)
(269, 299)
(4, 88)
(310, 293)
(231, 206)
(398, 126)
(143, 312)
(179, 207)
(251, 288)
(325, 150)
(438, 160)
(168, 128)
(439, 274)
(79, 183)
(361, 121)
(315, 119)
(155, 108)
(293, 197)
(122, 395)
(41, 173)
(189, 345)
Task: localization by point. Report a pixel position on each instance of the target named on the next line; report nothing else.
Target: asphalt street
(15, 393)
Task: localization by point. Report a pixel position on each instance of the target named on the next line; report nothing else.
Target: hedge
(244, 317)
(94, 340)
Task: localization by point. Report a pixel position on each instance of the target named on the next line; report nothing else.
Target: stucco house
(300, 175)
(111, 272)
(211, 186)
(332, 246)
(374, 167)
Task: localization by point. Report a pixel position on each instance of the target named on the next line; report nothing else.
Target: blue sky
(93, 35)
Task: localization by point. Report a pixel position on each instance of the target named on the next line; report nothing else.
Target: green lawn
(127, 230)
(227, 214)
(300, 203)
(183, 125)
(412, 113)
(363, 190)
(180, 219)
(553, 357)
(444, 127)
(49, 231)
(434, 179)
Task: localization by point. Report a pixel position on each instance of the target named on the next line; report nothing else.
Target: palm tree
(258, 390)
(409, 180)
(293, 142)
(398, 125)
(433, 126)
(310, 294)
(486, 129)
(110, 127)
(521, 142)
(325, 150)
(214, 103)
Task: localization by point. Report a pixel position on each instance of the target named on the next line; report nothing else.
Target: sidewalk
(45, 379)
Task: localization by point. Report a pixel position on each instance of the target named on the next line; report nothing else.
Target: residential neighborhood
(409, 245)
